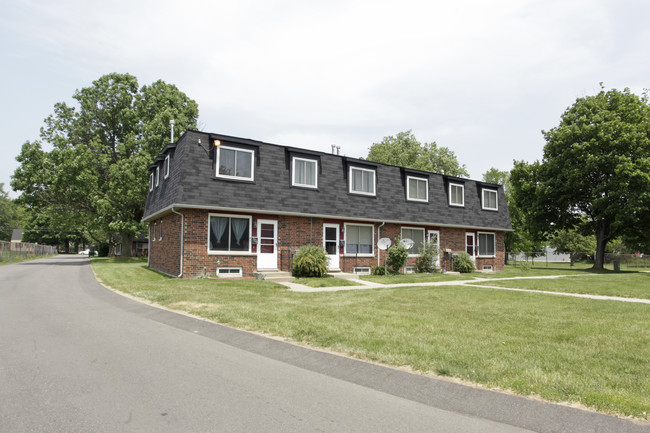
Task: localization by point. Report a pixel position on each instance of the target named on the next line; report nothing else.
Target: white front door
(267, 244)
(331, 244)
(470, 244)
(434, 237)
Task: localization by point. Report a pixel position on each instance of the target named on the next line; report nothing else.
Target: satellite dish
(408, 243)
(383, 243)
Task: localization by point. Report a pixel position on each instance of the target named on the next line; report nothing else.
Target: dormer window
(166, 167)
(490, 201)
(362, 181)
(304, 172)
(456, 194)
(151, 181)
(157, 175)
(234, 163)
(417, 189)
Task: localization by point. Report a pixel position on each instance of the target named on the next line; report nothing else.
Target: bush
(427, 261)
(397, 255)
(310, 261)
(102, 250)
(524, 266)
(463, 263)
(379, 270)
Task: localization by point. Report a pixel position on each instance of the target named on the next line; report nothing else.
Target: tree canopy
(94, 179)
(595, 172)
(10, 215)
(405, 150)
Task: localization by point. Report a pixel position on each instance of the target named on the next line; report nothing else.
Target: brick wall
(164, 255)
(293, 232)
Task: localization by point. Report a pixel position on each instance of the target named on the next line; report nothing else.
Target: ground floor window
(229, 272)
(229, 233)
(486, 244)
(417, 236)
(358, 239)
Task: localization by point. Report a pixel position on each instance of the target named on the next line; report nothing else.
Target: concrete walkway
(364, 285)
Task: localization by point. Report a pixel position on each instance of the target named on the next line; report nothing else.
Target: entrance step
(274, 276)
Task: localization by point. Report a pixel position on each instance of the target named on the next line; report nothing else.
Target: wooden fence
(14, 251)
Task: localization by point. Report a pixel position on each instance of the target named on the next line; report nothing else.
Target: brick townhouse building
(232, 207)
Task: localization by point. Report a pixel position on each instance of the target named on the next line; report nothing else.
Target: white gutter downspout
(148, 245)
(379, 237)
(182, 238)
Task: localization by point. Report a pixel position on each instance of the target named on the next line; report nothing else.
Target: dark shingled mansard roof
(192, 184)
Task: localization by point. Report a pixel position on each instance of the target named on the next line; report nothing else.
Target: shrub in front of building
(463, 263)
(310, 261)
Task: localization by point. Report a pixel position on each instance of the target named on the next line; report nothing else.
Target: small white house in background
(17, 236)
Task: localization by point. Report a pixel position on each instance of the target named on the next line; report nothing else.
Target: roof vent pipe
(172, 123)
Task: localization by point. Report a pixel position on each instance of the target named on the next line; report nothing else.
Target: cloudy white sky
(480, 77)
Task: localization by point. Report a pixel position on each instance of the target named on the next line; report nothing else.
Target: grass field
(562, 349)
(624, 284)
(414, 278)
(326, 282)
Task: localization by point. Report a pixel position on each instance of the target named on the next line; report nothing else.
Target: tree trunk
(601, 243)
(127, 244)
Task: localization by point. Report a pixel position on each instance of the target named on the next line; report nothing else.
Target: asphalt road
(76, 357)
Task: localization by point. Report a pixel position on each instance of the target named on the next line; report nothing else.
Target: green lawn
(624, 284)
(326, 282)
(416, 278)
(561, 349)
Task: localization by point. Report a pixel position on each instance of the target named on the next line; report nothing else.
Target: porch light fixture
(217, 143)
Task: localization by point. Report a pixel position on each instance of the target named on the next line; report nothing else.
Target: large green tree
(573, 243)
(10, 215)
(405, 150)
(595, 172)
(94, 179)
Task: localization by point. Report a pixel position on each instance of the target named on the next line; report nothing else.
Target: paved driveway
(76, 357)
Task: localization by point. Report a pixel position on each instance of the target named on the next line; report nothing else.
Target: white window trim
(362, 270)
(153, 239)
(160, 230)
(424, 238)
(229, 274)
(408, 189)
(151, 182)
(293, 172)
(157, 176)
(496, 199)
(232, 253)
(236, 149)
(345, 236)
(374, 181)
(166, 166)
(478, 240)
(462, 195)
